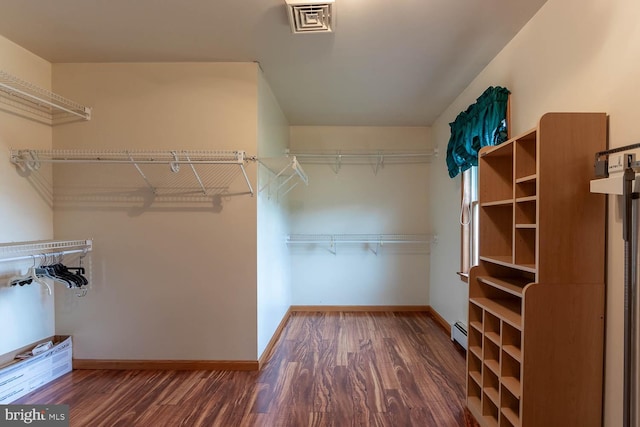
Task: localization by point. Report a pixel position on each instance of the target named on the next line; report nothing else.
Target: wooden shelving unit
(536, 300)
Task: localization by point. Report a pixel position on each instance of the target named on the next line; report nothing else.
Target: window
(469, 213)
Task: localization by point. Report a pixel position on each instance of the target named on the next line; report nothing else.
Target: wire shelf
(284, 170)
(359, 238)
(373, 241)
(41, 102)
(10, 252)
(31, 160)
(375, 158)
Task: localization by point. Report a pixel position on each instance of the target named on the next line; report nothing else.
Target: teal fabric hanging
(482, 124)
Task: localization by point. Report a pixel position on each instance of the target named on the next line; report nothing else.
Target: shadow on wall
(124, 188)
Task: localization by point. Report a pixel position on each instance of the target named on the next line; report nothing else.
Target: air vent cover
(311, 16)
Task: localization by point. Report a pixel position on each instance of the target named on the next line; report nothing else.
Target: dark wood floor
(327, 369)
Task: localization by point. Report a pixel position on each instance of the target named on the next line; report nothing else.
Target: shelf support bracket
(241, 159)
(195, 173)
(133, 162)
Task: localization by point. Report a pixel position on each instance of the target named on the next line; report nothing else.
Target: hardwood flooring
(327, 369)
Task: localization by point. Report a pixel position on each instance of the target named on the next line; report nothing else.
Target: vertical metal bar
(634, 310)
(141, 174)
(289, 189)
(246, 178)
(204, 191)
(627, 228)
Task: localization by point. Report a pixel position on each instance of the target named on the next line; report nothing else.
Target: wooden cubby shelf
(512, 285)
(536, 299)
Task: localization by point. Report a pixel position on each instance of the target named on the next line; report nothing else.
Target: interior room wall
(572, 56)
(173, 278)
(358, 201)
(274, 277)
(26, 313)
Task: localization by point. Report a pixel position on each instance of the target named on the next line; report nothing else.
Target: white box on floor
(21, 377)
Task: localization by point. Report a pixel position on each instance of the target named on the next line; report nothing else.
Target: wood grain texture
(326, 369)
(274, 339)
(367, 308)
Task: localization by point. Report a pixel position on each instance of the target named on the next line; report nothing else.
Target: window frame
(469, 230)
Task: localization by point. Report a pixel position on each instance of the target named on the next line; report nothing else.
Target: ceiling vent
(311, 16)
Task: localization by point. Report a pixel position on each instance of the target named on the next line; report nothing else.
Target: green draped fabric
(482, 124)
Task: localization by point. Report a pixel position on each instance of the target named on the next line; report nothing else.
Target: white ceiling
(388, 63)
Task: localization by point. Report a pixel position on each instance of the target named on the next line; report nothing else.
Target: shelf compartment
(40, 102)
(490, 386)
(475, 343)
(492, 328)
(509, 418)
(526, 187)
(507, 262)
(510, 408)
(475, 368)
(526, 199)
(525, 212)
(511, 285)
(525, 246)
(489, 407)
(496, 175)
(491, 356)
(508, 309)
(527, 179)
(474, 396)
(512, 342)
(475, 317)
(506, 202)
(510, 375)
(525, 155)
(476, 376)
(496, 231)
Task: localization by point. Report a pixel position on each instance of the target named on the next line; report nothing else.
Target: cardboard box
(21, 377)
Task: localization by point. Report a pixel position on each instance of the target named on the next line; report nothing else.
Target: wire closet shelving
(23, 251)
(375, 158)
(44, 104)
(28, 159)
(372, 240)
(286, 174)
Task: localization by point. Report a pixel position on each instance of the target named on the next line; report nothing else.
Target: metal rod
(44, 101)
(368, 155)
(246, 178)
(194, 162)
(142, 174)
(30, 257)
(271, 179)
(634, 311)
(204, 191)
(627, 227)
(289, 189)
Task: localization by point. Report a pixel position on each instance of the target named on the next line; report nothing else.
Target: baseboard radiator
(459, 333)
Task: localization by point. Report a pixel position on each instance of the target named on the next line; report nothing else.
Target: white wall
(574, 55)
(26, 313)
(274, 277)
(355, 200)
(172, 279)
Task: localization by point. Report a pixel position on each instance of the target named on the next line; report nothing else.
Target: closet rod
(303, 155)
(33, 256)
(14, 251)
(359, 238)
